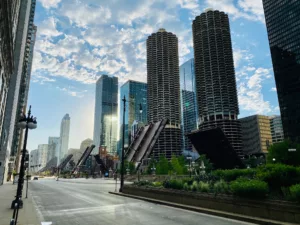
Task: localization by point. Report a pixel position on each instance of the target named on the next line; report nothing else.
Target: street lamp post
(123, 142)
(26, 123)
(190, 164)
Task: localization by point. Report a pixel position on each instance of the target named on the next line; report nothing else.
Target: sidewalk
(27, 215)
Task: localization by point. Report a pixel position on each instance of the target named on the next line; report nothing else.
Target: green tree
(279, 153)
(176, 167)
(162, 166)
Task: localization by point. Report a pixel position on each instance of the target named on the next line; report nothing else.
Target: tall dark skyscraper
(106, 114)
(188, 102)
(215, 76)
(282, 19)
(163, 97)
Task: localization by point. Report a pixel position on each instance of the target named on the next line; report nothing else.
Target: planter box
(267, 209)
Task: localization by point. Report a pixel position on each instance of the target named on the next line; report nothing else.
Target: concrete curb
(206, 211)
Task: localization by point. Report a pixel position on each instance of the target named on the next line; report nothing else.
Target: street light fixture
(189, 157)
(26, 123)
(123, 143)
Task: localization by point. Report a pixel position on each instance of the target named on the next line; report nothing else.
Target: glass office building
(136, 95)
(106, 114)
(283, 25)
(188, 102)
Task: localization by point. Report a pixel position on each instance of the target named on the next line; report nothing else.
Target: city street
(88, 202)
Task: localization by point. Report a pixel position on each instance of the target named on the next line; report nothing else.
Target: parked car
(35, 178)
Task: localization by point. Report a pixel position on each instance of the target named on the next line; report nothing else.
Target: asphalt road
(65, 203)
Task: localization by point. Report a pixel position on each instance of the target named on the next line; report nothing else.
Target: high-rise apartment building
(282, 20)
(136, 95)
(106, 114)
(276, 129)
(215, 76)
(53, 147)
(163, 93)
(256, 134)
(188, 102)
(18, 32)
(64, 137)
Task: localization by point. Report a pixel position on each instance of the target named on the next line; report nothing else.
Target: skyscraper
(276, 129)
(215, 76)
(64, 137)
(188, 102)
(43, 155)
(163, 95)
(53, 147)
(136, 95)
(282, 19)
(106, 114)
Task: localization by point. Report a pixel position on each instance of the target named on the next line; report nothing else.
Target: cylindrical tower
(215, 76)
(163, 96)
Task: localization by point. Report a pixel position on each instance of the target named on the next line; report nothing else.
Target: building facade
(42, 155)
(85, 143)
(215, 76)
(136, 95)
(276, 129)
(163, 93)
(24, 85)
(106, 114)
(53, 147)
(188, 102)
(282, 20)
(17, 29)
(34, 161)
(256, 134)
(64, 137)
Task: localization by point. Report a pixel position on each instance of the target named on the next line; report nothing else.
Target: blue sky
(77, 41)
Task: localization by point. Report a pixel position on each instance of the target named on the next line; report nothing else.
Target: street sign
(292, 150)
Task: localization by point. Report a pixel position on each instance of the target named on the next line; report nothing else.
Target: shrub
(194, 186)
(221, 187)
(230, 175)
(295, 192)
(279, 175)
(174, 184)
(142, 183)
(186, 187)
(249, 188)
(207, 177)
(157, 184)
(203, 186)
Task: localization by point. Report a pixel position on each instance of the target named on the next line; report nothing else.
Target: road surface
(88, 203)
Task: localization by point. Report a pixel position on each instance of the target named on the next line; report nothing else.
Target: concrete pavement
(27, 215)
(79, 203)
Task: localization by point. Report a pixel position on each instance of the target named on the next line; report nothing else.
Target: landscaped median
(270, 192)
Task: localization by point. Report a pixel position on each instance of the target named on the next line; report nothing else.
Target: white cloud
(273, 89)
(247, 9)
(71, 92)
(48, 28)
(49, 3)
(250, 92)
